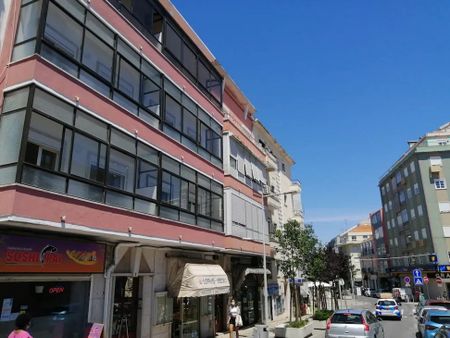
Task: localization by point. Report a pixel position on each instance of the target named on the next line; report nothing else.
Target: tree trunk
(291, 305)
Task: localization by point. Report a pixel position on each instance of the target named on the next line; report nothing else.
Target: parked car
(433, 322)
(443, 332)
(388, 308)
(433, 302)
(383, 293)
(421, 316)
(352, 323)
(402, 294)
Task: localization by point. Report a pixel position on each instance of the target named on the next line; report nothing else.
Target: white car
(388, 308)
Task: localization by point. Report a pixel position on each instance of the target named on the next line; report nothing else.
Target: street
(406, 328)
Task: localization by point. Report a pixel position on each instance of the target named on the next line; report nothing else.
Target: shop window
(147, 180)
(120, 171)
(62, 32)
(88, 158)
(163, 308)
(97, 56)
(59, 308)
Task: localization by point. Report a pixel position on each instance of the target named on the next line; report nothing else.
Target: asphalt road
(406, 328)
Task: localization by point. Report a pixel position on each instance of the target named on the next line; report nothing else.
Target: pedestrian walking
(234, 318)
(23, 322)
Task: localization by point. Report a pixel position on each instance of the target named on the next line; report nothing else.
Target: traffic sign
(418, 281)
(439, 281)
(444, 268)
(407, 280)
(426, 280)
(417, 274)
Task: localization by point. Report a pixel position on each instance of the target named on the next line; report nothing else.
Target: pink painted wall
(31, 203)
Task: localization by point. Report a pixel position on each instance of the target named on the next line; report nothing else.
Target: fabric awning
(199, 280)
(256, 271)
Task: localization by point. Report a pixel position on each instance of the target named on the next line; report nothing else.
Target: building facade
(282, 203)
(131, 184)
(416, 206)
(349, 243)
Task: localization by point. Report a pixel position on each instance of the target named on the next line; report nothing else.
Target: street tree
(295, 246)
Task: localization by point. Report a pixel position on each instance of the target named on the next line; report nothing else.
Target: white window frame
(440, 184)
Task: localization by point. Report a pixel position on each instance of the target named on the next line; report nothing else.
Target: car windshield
(346, 318)
(440, 319)
(386, 302)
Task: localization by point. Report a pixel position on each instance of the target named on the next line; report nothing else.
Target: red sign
(44, 255)
(426, 280)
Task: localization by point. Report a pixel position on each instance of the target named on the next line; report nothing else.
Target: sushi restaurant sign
(50, 255)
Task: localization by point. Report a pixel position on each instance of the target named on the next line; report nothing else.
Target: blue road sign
(418, 281)
(417, 274)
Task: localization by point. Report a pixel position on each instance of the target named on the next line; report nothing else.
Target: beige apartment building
(282, 203)
(349, 242)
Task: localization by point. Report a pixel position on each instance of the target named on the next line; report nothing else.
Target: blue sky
(342, 85)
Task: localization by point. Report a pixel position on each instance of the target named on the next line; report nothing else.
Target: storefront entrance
(58, 309)
(186, 317)
(125, 307)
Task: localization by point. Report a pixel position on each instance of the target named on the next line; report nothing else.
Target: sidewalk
(318, 326)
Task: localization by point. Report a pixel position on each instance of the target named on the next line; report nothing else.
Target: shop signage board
(26, 254)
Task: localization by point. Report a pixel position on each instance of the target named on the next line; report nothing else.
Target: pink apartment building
(130, 183)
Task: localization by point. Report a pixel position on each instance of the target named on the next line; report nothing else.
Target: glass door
(125, 307)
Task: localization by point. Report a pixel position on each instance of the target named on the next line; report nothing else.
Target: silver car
(353, 323)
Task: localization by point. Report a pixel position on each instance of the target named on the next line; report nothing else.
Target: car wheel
(418, 335)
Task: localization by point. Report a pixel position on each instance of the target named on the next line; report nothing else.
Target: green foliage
(295, 244)
(298, 323)
(322, 314)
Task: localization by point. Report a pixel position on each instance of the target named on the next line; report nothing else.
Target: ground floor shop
(50, 278)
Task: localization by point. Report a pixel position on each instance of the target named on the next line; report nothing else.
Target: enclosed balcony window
(63, 33)
(88, 158)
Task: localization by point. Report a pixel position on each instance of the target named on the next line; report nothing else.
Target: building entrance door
(125, 307)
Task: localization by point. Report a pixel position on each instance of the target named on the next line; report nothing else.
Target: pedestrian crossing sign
(418, 281)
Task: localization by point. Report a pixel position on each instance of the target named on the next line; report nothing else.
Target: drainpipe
(107, 309)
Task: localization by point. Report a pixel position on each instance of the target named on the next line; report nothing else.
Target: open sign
(56, 290)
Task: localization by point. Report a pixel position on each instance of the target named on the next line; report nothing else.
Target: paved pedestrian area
(404, 329)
